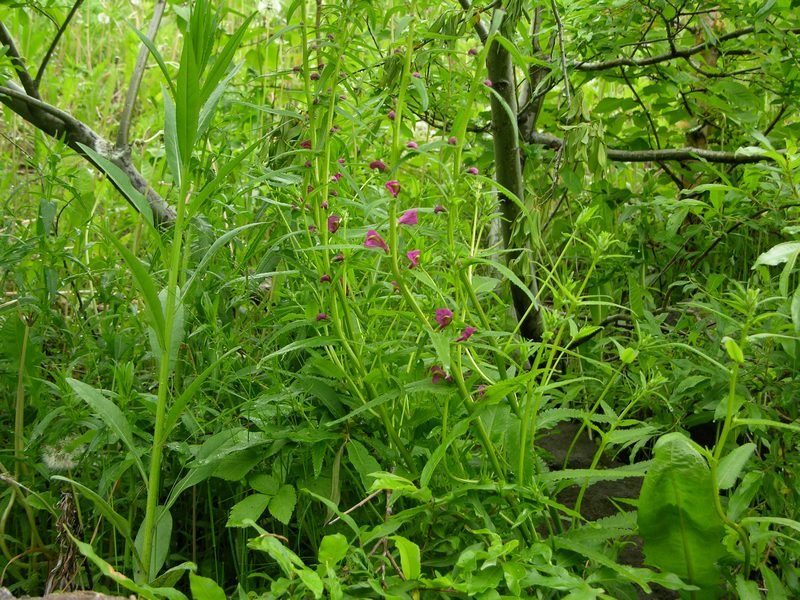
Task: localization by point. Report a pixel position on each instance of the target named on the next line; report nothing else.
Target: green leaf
(161, 542)
(332, 549)
(157, 55)
(145, 284)
(779, 254)
(731, 466)
(678, 521)
(204, 588)
(312, 581)
(363, 461)
(171, 145)
(145, 591)
(123, 182)
(409, 557)
(422, 92)
(285, 558)
(177, 330)
(251, 508)
(111, 415)
(282, 504)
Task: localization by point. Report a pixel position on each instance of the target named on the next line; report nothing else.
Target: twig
(480, 28)
(54, 43)
(18, 62)
(136, 77)
(562, 53)
(356, 506)
(641, 104)
(664, 154)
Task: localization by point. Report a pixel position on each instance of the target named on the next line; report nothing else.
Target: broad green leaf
(251, 508)
(312, 581)
(678, 521)
(409, 557)
(285, 558)
(282, 504)
(363, 461)
(145, 591)
(177, 330)
(171, 146)
(204, 588)
(441, 345)
(779, 254)
(422, 92)
(161, 542)
(187, 101)
(332, 549)
(111, 415)
(731, 466)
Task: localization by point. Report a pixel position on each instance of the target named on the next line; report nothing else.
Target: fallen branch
(666, 154)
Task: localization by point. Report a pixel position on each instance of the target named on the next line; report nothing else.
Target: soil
(602, 498)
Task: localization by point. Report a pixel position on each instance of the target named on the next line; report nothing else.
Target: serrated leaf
(333, 549)
(250, 508)
(362, 461)
(282, 504)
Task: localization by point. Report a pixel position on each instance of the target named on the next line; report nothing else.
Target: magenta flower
(443, 317)
(481, 390)
(307, 164)
(373, 240)
(310, 188)
(322, 317)
(296, 69)
(314, 76)
(393, 186)
(378, 164)
(334, 129)
(408, 218)
(338, 258)
(333, 193)
(333, 223)
(468, 331)
(391, 114)
(416, 74)
(413, 257)
(437, 374)
(324, 205)
(336, 177)
(321, 66)
(325, 278)
(473, 170)
(340, 161)
(342, 97)
(472, 51)
(312, 228)
(453, 140)
(487, 82)
(439, 209)
(413, 145)
(306, 144)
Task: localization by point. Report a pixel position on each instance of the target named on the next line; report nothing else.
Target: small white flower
(103, 18)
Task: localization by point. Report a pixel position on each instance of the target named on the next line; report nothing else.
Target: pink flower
(314, 76)
(487, 82)
(413, 257)
(472, 51)
(334, 129)
(340, 161)
(306, 144)
(333, 223)
(296, 69)
(321, 66)
(468, 331)
(336, 177)
(416, 74)
(391, 114)
(338, 258)
(452, 140)
(473, 170)
(373, 240)
(439, 209)
(378, 164)
(324, 205)
(342, 97)
(443, 317)
(310, 188)
(393, 186)
(333, 193)
(437, 374)
(307, 164)
(322, 317)
(413, 145)
(325, 278)
(408, 218)
(481, 390)
(312, 228)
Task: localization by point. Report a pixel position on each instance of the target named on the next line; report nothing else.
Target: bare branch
(666, 154)
(62, 125)
(667, 56)
(18, 62)
(562, 53)
(136, 77)
(54, 43)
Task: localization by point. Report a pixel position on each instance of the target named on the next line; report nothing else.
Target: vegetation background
(384, 299)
